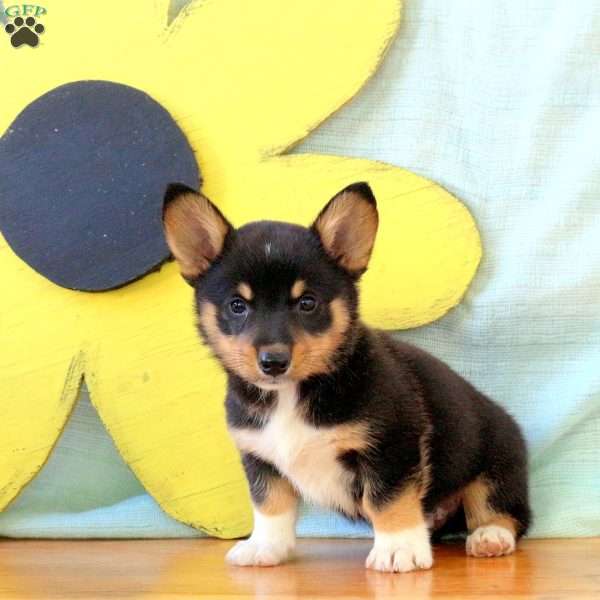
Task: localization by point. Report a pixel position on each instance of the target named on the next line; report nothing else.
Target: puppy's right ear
(195, 230)
(347, 227)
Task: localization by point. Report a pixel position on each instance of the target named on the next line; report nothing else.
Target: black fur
(258, 473)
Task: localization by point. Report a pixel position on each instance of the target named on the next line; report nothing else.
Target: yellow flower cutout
(245, 81)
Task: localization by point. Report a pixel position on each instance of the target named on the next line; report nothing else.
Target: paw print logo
(24, 31)
(243, 82)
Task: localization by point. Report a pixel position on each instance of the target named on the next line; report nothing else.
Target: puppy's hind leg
(496, 517)
(496, 502)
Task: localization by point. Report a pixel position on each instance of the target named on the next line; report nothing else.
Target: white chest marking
(306, 455)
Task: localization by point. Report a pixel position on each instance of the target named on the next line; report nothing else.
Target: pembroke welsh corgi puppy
(325, 408)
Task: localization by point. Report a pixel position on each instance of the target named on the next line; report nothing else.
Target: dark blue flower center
(83, 171)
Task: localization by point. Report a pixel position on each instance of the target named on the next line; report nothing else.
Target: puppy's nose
(274, 360)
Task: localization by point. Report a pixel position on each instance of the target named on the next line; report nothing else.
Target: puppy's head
(276, 302)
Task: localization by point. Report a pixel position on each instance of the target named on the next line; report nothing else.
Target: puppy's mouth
(266, 382)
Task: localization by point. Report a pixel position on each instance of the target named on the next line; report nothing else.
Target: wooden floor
(549, 569)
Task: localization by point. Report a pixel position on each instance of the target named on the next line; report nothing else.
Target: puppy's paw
(251, 553)
(490, 540)
(401, 552)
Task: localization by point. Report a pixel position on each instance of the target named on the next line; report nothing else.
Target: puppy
(325, 408)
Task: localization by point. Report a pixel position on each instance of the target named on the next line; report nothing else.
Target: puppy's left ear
(347, 227)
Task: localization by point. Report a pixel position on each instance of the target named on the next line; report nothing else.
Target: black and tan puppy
(322, 407)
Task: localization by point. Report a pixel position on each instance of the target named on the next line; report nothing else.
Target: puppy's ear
(347, 227)
(195, 230)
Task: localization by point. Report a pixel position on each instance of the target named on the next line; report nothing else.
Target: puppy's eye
(307, 303)
(237, 306)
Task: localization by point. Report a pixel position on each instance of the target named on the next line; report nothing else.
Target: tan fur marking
(312, 354)
(236, 352)
(298, 288)
(340, 439)
(347, 228)
(403, 512)
(351, 437)
(195, 233)
(245, 291)
(478, 511)
(280, 498)
(475, 501)
(505, 521)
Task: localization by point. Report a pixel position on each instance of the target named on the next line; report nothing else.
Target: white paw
(250, 553)
(490, 540)
(401, 552)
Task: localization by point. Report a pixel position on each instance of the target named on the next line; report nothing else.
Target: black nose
(274, 363)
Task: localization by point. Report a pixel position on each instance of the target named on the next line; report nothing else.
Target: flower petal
(40, 366)
(160, 396)
(262, 74)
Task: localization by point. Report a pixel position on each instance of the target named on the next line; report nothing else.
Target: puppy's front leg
(401, 535)
(275, 502)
